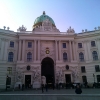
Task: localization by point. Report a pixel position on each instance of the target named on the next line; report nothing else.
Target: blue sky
(79, 14)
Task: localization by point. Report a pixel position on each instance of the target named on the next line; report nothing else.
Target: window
(98, 78)
(95, 55)
(83, 69)
(65, 56)
(8, 80)
(11, 44)
(97, 69)
(9, 70)
(79, 45)
(84, 78)
(29, 44)
(10, 57)
(81, 56)
(64, 45)
(29, 56)
(93, 43)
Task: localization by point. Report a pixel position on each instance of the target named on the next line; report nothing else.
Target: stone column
(23, 50)
(59, 50)
(98, 45)
(19, 51)
(5, 50)
(74, 50)
(89, 52)
(70, 50)
(56, 50)
(34, 50)
(2, 49)
(38, 49)
(86, 51)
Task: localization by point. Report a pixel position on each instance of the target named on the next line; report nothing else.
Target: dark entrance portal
(47, 70)
(27, 80)
(68, 78)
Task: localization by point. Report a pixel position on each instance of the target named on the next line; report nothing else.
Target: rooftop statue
(22, 29)
(70, 30)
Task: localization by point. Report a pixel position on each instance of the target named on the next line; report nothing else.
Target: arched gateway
(47, 70)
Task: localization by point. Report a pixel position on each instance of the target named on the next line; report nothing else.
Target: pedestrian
(42, 88)
(22, 87)
(46, 87)
(78, 90)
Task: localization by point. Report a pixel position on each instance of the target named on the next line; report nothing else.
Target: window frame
(29, 45)
(93, 44)
(95, 55)
(64, 45)
(9, 70)
(65, 57)
(80, 46)
(81, 58)
(83, 70)
(97, 69)
(12, 44)
(10, 57)
(84, 78)
(29, 56)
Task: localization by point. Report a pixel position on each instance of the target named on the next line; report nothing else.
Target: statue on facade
(19, 77)
(70, 30)
(59, 76)
(22, 29)
(36, 76)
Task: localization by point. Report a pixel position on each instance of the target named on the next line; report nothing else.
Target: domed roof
(43, 17)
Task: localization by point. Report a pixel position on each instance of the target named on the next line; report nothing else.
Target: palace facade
(46, 55)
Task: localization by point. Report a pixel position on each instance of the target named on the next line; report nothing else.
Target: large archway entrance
(47, 70)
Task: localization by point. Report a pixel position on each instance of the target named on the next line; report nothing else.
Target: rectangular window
(64, 45)
(84, 78)
(9, 70)
(97, 69)
(83, 69)
(11, 44)
(98, 78)
(29, 44)
(79, 45)
(93, 43)
(8, 81)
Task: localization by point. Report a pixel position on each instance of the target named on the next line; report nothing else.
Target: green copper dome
(43, 17)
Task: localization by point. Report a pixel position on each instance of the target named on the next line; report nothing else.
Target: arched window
(10, 57)
(81, 56)
(29, 56)
(64, 56)
(95, 55)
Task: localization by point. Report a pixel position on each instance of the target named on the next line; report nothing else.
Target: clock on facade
(47, 51)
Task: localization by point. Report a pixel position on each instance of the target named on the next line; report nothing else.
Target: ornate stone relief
(75, 72)
(46, 26)
(36, 73)
(59, 74)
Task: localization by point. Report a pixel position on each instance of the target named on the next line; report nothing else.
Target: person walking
(42, 88)
(46, 87)
(78, 90)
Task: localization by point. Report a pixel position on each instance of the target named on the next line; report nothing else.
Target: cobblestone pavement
(50, 91)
